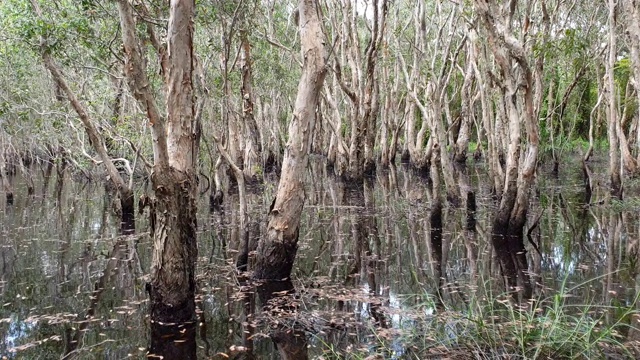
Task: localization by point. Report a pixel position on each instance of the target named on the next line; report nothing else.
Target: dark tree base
(369, 169)
(275, 258)
(405, 158)
(165, 314)
(460, 158)
(508, 242)
(471, 211)
(173, 341)
(128, 224)
(271, 164)
(435, 219)
(215, 201)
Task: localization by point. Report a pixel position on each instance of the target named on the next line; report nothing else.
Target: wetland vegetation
(328, 179)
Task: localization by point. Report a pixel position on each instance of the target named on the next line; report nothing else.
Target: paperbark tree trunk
(418, 152)
(95, 137)
(172, 285)
(360, 88)
(252, 147)
(175, 251)
(6, 184)
(467, 112)
(612, 113)
(517, 102)
(632, 13)
(277, 249)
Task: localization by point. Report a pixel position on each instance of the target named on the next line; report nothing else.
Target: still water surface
(72, 287)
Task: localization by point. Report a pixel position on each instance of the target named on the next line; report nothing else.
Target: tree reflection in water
(173, 341)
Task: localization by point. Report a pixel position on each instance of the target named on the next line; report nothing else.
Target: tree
(95, 136)
(174, 178)
(355, 73)
(612, 113)
(516, 104)
(277, 249)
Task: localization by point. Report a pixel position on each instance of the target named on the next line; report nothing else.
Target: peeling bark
(174, 179)
(277, 249)
(517, 106)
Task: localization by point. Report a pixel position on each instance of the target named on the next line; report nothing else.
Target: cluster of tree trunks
(486, 75)
(175, 148)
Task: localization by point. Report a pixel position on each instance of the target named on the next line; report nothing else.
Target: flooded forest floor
(376, 276)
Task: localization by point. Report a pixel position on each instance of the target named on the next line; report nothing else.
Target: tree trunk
(277, 250)
(632, 12)
(172, 286)
(517, 107)
(612, 114)
(95, 137)
(467, 112)
(175, 251)
(6, 184)
(252, 146)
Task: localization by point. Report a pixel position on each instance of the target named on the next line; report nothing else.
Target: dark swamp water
(366, 273)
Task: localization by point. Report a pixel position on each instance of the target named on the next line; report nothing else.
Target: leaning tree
(516, 85)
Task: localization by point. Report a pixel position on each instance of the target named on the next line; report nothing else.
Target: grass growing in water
(494, 327)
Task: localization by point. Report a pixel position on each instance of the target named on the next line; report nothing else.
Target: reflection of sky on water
(565, 265)
(403, 268)
(17, 330)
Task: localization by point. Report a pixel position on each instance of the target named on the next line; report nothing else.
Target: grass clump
(552, 327)
(562, 325)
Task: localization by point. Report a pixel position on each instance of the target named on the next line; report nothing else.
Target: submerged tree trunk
(172, 287)
(516, 101)
(277, 249)
(175, 251)
(173, 216)
(612, 114)
(6, 184)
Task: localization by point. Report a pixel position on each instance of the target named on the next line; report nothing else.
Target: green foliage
(551, 327)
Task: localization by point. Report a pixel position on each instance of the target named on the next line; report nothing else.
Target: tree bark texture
(180, 99)
(139, 84)
(175, 250)
(277, 250)
(253, 149)
(517, 107)
(172, 286)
